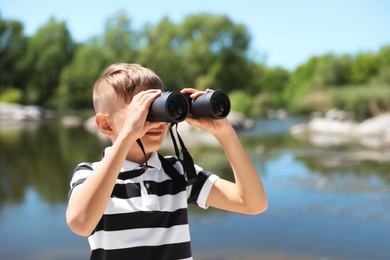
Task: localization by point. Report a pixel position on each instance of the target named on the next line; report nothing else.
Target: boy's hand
(213, 126)
(135, 121)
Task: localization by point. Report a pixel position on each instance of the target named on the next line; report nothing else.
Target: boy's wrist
(225, 132)
(128, 138)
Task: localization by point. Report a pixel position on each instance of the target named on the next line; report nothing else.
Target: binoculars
(174, 107)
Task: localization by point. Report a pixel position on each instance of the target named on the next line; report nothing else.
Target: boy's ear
(103, 123)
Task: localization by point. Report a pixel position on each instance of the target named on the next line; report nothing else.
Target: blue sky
(284, 33)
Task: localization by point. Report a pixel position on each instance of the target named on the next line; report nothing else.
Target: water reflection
(320, 197)
(42, 157)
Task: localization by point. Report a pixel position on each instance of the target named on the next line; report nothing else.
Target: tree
(48, 51)
(160, 53)
(78, 77)
(204, 51)
(271, 83)
(331, 70)
(364, 67)
(120, 40)
(12, 47)
(214, 52)
(384, 56)
(383, 76)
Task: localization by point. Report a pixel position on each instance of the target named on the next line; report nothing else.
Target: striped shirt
(146, 216)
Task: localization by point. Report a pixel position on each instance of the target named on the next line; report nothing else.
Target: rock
(71, 121)
(378, 125)
(331, 126)
(279, 114)
(338, 128)
(239, 121)
(10, 112)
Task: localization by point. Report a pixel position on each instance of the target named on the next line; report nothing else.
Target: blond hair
(120, 82)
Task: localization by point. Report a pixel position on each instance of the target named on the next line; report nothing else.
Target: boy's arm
(246, 194)
(88, 202)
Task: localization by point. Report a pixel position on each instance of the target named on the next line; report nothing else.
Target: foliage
(78, 77)
(120, 41)
(12, 48)
(205, 51)
(364, 101)
(242, 102)
(11, 95)
(202, 51)
(48, 52)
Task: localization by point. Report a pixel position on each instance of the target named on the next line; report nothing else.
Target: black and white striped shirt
(146, 216)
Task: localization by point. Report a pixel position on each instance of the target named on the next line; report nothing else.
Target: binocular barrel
(174, 107)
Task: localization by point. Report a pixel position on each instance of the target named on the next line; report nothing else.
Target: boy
(132, 214)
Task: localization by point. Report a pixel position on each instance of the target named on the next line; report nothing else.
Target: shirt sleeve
(201, 188)
(80, 174)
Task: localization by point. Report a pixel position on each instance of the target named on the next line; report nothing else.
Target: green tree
(12, 47)
(308, 82)
(78, 77)
(160, 53)
(120, 41)
(383, 76)
(331, 70)
(271, 84)
(364, 67)
(214, 52)
(242, 102)
(48, 51)
(204, 51)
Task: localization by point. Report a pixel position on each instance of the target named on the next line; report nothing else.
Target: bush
(11, 95)
(242, 102)
(364, 100)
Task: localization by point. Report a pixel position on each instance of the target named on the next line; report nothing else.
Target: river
(322, 204)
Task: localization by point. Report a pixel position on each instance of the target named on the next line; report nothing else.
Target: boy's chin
(151, 145)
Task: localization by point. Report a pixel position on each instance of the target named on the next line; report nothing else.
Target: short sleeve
(200, 190)
(80, 174)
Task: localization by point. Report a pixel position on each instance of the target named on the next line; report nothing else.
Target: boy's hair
(120, 82)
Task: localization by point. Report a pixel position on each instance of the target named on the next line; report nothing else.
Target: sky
(284, 33)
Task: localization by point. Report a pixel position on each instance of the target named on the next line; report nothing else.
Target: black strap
(143, 151)
(172, 172)
(131, 174)
(189, 167)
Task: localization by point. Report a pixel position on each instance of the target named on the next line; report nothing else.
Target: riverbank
(330, 130)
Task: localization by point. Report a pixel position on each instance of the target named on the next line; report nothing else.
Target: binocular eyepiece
(174, 107)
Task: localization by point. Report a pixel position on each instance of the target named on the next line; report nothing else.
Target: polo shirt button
(147, 185)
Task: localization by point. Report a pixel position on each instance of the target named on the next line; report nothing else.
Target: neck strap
(187, 160)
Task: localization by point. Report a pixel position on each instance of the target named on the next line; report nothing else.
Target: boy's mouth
(154, 132)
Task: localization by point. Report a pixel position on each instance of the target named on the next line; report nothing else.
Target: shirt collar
(153, 161)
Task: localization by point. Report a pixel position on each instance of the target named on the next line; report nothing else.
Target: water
(318, 209)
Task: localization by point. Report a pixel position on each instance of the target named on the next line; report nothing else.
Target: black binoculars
(174, 107)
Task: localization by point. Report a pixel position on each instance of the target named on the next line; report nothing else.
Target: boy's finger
(187, 90)
(148, 96)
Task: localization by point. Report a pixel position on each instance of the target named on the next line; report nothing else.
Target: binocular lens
(171, 107)
(177, 108)
(220, 105)
(212, 105)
